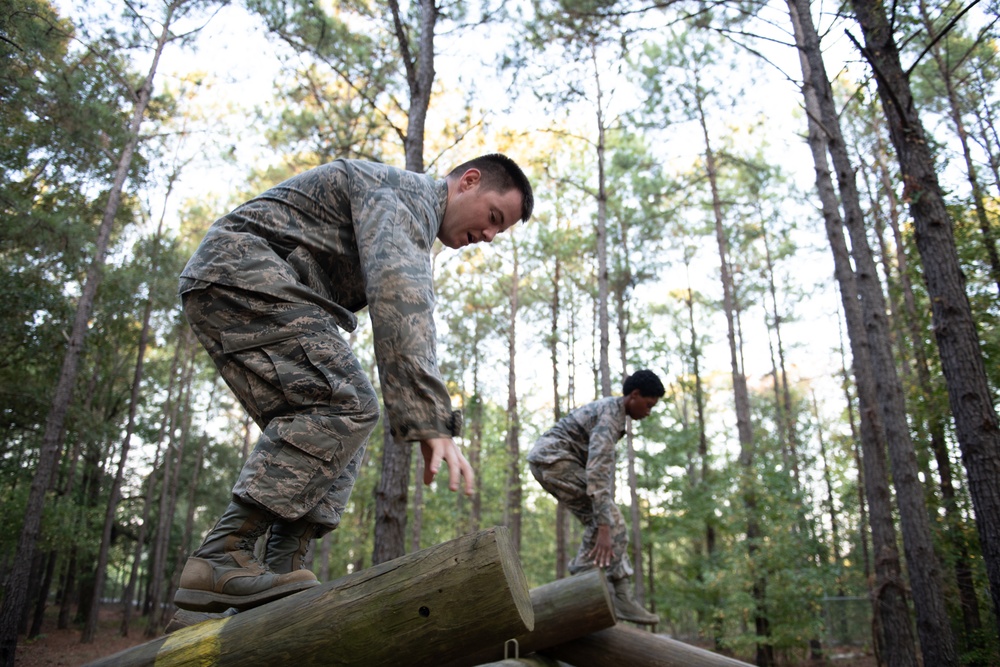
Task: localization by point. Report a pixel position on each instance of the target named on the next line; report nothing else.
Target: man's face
(638, 406)
(474, 214)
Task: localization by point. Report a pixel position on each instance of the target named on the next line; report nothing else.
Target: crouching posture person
(270, 293)
(575, 462)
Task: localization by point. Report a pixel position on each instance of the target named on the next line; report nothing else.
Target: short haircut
(501, 174)
(646, 382)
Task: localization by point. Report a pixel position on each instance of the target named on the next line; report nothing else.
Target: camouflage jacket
(342, 236)
(588, 436)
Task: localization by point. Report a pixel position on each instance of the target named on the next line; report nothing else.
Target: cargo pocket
(303, 466)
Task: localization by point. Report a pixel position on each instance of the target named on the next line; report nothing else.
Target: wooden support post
(564, 609)
(425, 608)
(621, 645)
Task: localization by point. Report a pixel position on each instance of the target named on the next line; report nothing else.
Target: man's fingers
(438, 450)
(458, 468)
(469, 477)
(434, 465)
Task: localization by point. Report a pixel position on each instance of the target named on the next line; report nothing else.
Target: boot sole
(210, 601)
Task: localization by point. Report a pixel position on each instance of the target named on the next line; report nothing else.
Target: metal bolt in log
(431, 606)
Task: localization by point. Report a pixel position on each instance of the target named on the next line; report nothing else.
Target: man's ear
(469, 179)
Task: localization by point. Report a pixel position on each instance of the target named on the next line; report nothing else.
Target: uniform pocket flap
(305, 432)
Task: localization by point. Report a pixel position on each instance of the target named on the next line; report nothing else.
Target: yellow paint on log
(196, 646)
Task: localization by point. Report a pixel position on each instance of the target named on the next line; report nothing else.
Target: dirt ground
(62, 648)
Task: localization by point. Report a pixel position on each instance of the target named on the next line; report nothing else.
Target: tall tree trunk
(936, 639)
(706, 545)
(158, 561)
(765, 651)
(476, 437)
(955, 113)
(892, 636)
(988, 138)
(167, 419)
(858, 463)
(976, 425)
(161, 612)
(512, 508)
(391, 498)
(781, 381)
(932, 412)
(562, 514)
(128, 597)
(603, 289)
(622, 289)
(90, 629)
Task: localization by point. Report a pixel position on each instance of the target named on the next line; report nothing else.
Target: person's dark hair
(646, 382)
(500, 174)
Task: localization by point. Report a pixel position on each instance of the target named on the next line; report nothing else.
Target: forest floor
(62, 648)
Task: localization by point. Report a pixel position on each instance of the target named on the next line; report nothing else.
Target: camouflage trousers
(567, 481)
(297, 377)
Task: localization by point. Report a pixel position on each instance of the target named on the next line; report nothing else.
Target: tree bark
(976, 425)
(391, 498)
(604, 334)
(158, 561)
(955, 113)
(933, 413)
(891, 622)
(512, 506)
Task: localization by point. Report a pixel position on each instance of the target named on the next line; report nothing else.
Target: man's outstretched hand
(602, 551)
(436, 450)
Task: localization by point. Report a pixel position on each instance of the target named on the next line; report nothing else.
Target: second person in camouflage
(269, 292)
(575, 462)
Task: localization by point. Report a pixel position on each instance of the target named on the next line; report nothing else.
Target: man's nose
(489, 235)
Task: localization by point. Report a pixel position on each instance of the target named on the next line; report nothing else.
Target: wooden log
(564, 609)
(424, 608)
(621, 645)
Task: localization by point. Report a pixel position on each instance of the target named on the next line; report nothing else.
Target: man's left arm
(395, 259)
(600, 478)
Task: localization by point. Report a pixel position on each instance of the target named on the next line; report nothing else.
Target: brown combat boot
(626, 608)
(288, 545)
(224, 572)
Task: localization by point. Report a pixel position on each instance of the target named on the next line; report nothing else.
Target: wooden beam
(564, 609)
(425, 608)
(621, 645)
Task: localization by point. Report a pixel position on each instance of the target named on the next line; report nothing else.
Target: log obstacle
(621, 645)
(564, 609)
(428, 607)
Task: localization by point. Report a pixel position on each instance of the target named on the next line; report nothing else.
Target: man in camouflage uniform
(270, 292)
(575, 462)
